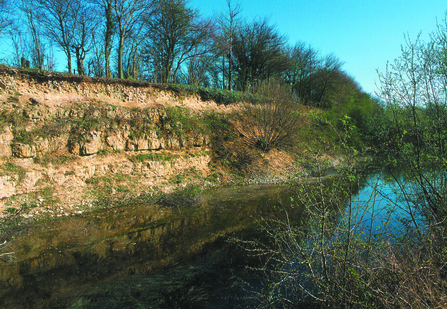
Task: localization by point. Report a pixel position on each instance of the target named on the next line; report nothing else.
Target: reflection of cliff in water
(59, 262)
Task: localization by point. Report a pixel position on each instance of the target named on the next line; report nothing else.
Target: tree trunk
(223, 72)
(68, 53)
(230, 81)
(108, 39)
(80, 61)
(120, 58)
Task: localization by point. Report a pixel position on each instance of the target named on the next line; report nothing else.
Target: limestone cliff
(70, 140)
(61, 135)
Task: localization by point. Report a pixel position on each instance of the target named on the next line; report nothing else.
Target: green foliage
(154, 156)
(54, 159)
(411, 131)
(332, 259)
(178, 120)
(220, 96)
(241, 159)
(23, 137)
(11, 168)
(182, 122)
(53, 128)
(47, 191)
(104, 152)
(123, 189)
(223, 96)
(329, 258)
(214, 176)
(182, 196)
(219, 126)
(13, 117)
(10, 210)
(354, 116)
(92, 181)
(307, 261)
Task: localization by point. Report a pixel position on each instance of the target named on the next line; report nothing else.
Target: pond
(380, 209)
(158, 256)
(139, 256)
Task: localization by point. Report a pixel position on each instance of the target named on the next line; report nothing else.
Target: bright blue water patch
(381, 208)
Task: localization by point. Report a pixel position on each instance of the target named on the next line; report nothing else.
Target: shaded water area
(141, 256)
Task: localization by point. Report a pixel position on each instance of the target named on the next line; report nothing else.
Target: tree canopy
(167, 41)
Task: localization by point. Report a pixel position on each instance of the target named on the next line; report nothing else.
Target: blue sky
(363, 34)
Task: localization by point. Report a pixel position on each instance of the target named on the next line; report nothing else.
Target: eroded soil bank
(67, 142)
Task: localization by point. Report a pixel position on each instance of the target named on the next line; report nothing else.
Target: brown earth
(51, 173)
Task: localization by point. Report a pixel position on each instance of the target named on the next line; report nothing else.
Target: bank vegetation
(346, 254)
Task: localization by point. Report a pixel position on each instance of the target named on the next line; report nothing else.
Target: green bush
(154, 156)
(220, 96)
(10, 210)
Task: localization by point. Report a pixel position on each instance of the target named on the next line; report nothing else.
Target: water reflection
(143, 255)
(380, 208)
(161, 256)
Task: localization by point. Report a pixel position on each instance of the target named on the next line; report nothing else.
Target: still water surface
(142, 256)
(380, 209)
(152, 256)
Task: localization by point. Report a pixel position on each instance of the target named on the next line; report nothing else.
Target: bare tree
(304, 61)
(272, 122)
(132, 60)
(96, 63)
(83, 39)
(259, 54)
(202, 61)
(414, 88)
(59, 19)
(20, 46)
(107, 9)
(128, 16)
(29, 8)
(228, 23)
(5, 15)
(325, 81)
(174, 33)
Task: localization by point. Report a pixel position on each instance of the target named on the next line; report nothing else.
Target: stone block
(20, 150)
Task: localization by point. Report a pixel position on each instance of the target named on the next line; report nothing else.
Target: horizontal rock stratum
(59, 136)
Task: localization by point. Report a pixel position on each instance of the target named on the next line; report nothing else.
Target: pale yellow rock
(92, 145)
(6, 138)
(7, 186)
(116, 141)
(30, 179)
(20, 150)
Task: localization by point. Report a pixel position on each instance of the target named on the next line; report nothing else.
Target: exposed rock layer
(67, 133)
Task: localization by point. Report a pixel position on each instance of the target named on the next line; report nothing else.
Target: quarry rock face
(148, 141)
(6, 138)
(116, 141)
(23, 150)
(92, 145)
(67, 136)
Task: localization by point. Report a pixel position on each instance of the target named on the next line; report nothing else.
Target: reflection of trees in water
(6, 257)
(351, 251)
(81, 252)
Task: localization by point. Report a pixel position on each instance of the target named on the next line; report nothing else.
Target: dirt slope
(68, 141)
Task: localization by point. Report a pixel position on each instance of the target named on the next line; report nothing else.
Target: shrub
(271, 122)
(334, 257)
(220, 96)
